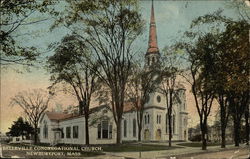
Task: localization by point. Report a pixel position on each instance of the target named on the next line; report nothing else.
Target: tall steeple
(152, 55)
(152, 41)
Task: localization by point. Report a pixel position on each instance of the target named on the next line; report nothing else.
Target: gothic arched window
(125, 128)
(153, 59)
(45, 130)
(173, 124)
(134, 128)
(166, 122)
(148, 119)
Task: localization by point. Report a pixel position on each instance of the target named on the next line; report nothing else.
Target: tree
(168, 85)
(110, 29)
(21, 128)
(232, 69)
(201, 55)
(14, 15)
(139, 87)
(70, 65)
(34, 103)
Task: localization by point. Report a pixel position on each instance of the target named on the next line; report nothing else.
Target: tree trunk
(203, 134)
(35, 134)
(87, 129)
(204, 140)
(223, 137)
(236, 132)
(118, 132)
(223, 124)
(170, 131)
(139, 133)
(247, 125)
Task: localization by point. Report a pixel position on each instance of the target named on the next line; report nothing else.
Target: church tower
(152, 56)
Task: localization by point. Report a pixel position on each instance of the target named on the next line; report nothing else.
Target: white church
(69, 128)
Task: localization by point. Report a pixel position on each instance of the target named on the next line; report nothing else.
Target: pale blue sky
(172, 19)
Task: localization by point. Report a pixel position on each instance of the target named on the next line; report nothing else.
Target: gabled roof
(58, 116)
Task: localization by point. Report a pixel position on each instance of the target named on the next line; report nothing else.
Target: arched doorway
(146, 134)
(158, 134)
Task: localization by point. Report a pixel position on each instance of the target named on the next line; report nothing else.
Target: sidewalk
(172, 152)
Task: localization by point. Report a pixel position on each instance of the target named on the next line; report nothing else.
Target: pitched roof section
(129, 106)
(63, 116)
(58, 116)
(152, 42)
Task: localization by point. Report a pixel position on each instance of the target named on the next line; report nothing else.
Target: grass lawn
(135, 148)
(198, 144)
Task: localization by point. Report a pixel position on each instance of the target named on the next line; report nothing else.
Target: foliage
(14, 15)
(20, 128)
(109, 28)
(72, 65)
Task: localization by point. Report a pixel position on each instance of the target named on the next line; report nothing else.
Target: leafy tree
(14, 15)
(232, 69)
(34, 103)
(21, 128)
(110, 29)
(71, 65)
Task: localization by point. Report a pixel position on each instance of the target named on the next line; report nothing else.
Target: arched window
(134, 128)
(45, 130)
(145, 119)
(148, 119)
(166, 122)
(173, 124)
(159, 119)
(153, 59)
(125, 128)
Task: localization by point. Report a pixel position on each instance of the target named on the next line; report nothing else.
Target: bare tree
(34, 103)
(139, 87)
(168, 75)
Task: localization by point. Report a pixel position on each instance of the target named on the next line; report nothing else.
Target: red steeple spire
(152, 42)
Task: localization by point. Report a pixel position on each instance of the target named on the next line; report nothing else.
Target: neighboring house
(70, 129)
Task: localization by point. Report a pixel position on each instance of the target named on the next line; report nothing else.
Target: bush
(196, 138)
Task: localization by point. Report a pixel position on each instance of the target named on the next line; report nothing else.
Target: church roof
(58, 116)
(152, 42)
(63, 116)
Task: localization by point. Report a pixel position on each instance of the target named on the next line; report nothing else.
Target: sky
(172, 19)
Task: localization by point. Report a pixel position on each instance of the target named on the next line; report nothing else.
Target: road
(228, 154)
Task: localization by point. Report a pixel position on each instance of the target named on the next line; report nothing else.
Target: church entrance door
(158, 134)
(146, 134)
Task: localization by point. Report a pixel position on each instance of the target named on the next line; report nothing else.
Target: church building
(68, 128)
